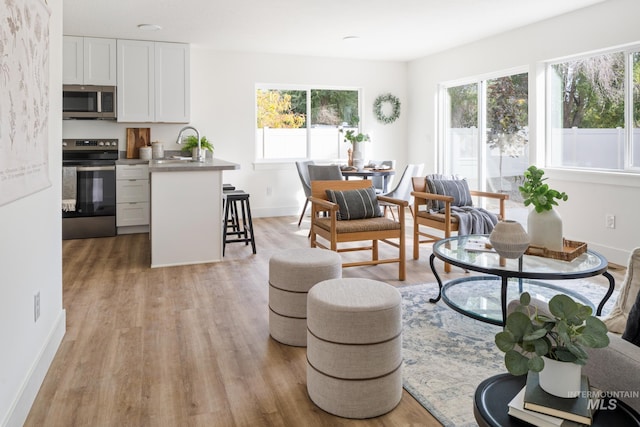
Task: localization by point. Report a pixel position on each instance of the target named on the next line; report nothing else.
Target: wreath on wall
(383, 101)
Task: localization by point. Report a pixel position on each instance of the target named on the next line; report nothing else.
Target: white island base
(186, 216)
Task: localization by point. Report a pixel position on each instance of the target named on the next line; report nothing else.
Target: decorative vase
(509, 239)
(545, 229)
(560, 379)
(358, 155)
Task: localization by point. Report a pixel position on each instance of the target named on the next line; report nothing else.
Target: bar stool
(237, 221)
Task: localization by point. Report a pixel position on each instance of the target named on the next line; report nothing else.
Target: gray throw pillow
(457, 188)
(632, 331)
(355, 204)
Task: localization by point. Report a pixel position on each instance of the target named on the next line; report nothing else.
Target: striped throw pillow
(457, 188)
(355, 204)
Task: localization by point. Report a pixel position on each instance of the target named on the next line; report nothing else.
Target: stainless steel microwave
(88, 102)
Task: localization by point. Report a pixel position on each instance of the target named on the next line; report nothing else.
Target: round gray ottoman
(354, 347)
(291, 274)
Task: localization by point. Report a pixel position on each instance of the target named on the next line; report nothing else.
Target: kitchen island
(186, 211)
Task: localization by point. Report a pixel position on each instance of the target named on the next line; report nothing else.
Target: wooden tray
(571, 250)
(136, 138)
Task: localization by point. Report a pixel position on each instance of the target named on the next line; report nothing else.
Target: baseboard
(613, 255)
(19, 411)
(278, 211)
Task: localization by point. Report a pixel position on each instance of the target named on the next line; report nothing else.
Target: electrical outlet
(610, 221)
(36, 306)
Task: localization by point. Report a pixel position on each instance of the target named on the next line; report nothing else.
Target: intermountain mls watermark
(606, 400)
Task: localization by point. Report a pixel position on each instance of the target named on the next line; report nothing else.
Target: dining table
(367, 173)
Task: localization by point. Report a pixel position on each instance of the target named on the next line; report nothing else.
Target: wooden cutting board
(136, 138)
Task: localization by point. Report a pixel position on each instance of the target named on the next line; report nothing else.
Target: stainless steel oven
(89, 188)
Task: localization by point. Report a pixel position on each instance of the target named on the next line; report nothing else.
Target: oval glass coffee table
(485, 297)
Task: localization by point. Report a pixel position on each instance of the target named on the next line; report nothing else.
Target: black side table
(493, 395)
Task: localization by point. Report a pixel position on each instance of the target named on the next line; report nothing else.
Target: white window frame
(481, 81)
(628, 167)
(259, 149)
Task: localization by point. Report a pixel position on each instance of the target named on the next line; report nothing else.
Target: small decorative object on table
(543, 223)
(509, 239)
(571, 250)
(530, 336)
(577, 408)
(356, 140)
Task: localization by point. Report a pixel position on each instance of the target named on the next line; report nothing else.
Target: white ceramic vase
(509, 239)
(358, 155)
(545, 229)
(560, 379)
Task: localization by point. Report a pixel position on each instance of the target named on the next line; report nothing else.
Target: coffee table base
(480, 297)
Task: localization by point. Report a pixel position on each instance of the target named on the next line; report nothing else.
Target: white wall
(591, 195)
(31, 261)
(223, 109)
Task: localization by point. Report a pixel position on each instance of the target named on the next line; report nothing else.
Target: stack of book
(535, 406)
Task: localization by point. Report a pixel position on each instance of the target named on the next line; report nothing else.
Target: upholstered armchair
(354, 215)
(436, 198)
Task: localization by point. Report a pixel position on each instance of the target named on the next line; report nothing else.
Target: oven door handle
(94, 168)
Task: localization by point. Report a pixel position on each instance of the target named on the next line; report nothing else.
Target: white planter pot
(358, 155)
(509, 239)
(545, 229)
(560, 379)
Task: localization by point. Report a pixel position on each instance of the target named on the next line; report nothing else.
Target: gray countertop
(171, 165)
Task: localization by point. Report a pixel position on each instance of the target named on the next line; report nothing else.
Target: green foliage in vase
(528, 335)
(535, 192)
(192, 142)
(353, 137)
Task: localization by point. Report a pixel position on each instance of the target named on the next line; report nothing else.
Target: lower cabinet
(132, 198)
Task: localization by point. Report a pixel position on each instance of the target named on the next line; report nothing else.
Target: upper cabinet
(153, 82)
(89, 61)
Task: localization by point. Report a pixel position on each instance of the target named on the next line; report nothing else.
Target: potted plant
(538, 342)
(353, 137)
(357, 155)
(544, 225)
(191, 142)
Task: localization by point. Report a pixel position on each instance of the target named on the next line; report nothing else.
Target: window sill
(623, 179)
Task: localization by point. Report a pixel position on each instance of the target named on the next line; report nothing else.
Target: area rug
(446, 355)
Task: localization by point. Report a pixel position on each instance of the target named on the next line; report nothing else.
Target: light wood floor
(188, 346)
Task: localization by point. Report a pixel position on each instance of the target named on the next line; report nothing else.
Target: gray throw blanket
(473, 220)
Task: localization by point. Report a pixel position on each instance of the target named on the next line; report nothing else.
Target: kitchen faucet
(199, 156)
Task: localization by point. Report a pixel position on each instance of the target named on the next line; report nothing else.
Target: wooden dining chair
(426, 217)
(353, 215)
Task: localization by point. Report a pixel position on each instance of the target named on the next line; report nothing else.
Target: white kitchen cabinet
(153, 82)
(89, 61)
(132, 198)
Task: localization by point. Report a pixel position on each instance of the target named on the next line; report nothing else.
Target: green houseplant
(191, 142)
(353, 137)
(535, 192)
(544, 224)
(529, 335)
(356, 156)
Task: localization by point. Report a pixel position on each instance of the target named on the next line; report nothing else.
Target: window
(304, 123)
(486, 131)
(593, 112)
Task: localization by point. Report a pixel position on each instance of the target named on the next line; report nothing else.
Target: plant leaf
(536, 364)
(505, 341)
(516, 363)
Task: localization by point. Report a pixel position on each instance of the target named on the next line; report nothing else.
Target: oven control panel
(90, 144)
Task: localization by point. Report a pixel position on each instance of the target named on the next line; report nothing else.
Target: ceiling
(395, 30)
